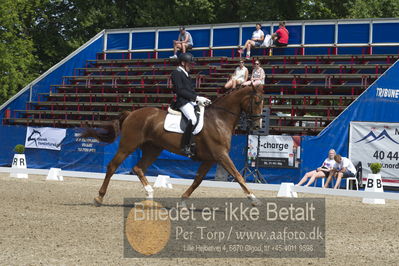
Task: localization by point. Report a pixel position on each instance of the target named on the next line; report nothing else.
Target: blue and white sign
(44, 138)
(372, 142)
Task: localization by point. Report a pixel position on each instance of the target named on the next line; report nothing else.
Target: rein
(250, 117)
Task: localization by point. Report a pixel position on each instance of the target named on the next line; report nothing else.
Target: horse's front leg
(150, 154)
(202, 170)
(228, 164)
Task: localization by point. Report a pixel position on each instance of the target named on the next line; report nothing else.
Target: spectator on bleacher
(343, 168)
(183, 43)
(321, 172)
(281, 36)
(240, 76)
(257, 77)
(186, 100)
(256, 41)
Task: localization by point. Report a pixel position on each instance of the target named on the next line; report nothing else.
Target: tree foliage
(36, 34)
(16, 50)
(374, 9)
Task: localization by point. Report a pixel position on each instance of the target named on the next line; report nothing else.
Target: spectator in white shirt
(240, 76)
(257, 77)
(257, 40)
(321, 172)
(343, 168)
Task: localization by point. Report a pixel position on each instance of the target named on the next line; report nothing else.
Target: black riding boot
(187, 143)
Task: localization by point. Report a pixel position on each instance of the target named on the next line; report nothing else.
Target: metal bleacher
(303, 96)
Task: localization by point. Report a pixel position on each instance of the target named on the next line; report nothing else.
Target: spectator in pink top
(258, 76)
(280, 37)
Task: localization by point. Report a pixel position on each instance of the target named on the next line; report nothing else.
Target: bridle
(254, 99)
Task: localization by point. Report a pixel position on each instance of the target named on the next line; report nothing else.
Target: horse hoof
(256, 202)
(183, 205)
(98, 201)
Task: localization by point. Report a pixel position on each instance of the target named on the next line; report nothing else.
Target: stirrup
(189, 150)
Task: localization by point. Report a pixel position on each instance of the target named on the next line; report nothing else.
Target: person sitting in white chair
(343, 168)
(321, 172)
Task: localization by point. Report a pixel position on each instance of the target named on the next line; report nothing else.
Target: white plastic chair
(357, 177)
(348, 179)
(322, 182)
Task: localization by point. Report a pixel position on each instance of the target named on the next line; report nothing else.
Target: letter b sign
(370, 183)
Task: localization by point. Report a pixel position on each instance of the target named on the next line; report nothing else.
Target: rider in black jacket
(186, 99)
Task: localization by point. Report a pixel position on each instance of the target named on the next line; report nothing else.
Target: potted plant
(375, 168)
(374, 184)
(19, 149)
(19, 161)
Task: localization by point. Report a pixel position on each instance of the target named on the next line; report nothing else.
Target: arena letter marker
(374, 184)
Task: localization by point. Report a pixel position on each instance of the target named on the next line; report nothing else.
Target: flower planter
(374, 184)
(18, 162)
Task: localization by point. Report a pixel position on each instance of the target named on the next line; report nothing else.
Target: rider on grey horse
(186, 100)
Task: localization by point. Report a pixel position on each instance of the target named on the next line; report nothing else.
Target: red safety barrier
(7, 113)
(294, 82)
(142, 82)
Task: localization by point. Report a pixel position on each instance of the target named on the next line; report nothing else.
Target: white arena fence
(215, 184)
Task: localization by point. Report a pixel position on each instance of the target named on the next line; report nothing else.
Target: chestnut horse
(144, 129)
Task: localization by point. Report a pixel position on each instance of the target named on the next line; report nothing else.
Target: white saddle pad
(173, 118)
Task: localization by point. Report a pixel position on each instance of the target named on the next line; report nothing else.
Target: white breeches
(188, 111)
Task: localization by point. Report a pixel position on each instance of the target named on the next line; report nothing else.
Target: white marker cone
(163, 181)
(55, 174)
(286, 191)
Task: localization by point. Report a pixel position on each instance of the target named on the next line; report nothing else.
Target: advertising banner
(44, 138)
(372, 142)
(274, 151)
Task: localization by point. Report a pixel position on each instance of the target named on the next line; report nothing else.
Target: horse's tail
(109, 132)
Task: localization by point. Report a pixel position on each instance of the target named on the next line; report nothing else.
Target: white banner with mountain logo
(44, 137)
(372, 142)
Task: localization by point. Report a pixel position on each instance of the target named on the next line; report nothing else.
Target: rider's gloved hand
(203, 101)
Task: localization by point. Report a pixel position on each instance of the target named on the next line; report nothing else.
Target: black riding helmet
(186, 57)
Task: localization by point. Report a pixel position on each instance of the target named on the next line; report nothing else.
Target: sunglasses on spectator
(257, 64)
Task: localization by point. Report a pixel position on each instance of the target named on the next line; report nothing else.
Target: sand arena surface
(48, 222)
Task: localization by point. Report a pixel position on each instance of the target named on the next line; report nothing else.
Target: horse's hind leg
(150, 154)
(119, 157)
